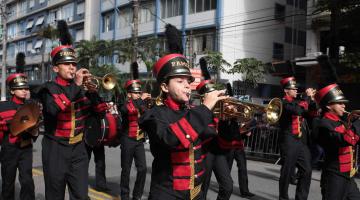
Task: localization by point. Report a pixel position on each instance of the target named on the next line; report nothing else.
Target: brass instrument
(245, 111)
(108, 82)
(352, 115)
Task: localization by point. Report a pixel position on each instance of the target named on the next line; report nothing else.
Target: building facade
(268, 30)
(26, 20)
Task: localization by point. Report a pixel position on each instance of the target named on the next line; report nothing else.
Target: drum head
(94, 134)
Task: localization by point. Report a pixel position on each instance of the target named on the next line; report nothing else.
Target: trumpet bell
(108, 82)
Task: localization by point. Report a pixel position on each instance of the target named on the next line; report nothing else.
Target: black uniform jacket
(176, 134)
(130, 113)
(338, 143)
(66, 106)
(7, 111)
(292, 121)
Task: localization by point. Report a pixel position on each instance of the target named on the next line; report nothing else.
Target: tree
(49, 33)
(252, 70)
(344, 31)
(216, 63)
(89, 52)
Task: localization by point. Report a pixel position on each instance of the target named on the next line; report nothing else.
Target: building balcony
(321, 20)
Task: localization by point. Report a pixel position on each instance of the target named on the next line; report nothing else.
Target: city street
(263, 178)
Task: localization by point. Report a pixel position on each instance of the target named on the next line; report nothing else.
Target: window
(41, 1)
(12, 10)
(38, 44)
(108, 22)
(29, 47)
(278, 51)
(21, 46)
(39, 21)
(279, 12)
(31, 3)
(11, 50)
(21, 28)
(53, 16)
(80, 8)
(303, 4)
(125, 17)
(68, 12)
(301, 38)
(79, 35)
(171, 8)
(30, 24)
(203, 42)
(196, 6)
(147, 13)
(11, 31)
(298, 3)
(288, 34)
(22, 7)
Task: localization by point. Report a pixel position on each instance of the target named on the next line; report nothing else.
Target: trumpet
(244, 112)
(355, 114)
(108, 82)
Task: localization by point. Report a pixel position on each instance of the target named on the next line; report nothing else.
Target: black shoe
(102, 189)
(247, 195)
(293, 181)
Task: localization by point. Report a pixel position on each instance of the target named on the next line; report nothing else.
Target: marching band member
(338, 140)
(132, 138)
(16, 151)
(66, 105)
(100, 166)
(216, 154)
(175, 130)
(294, 150)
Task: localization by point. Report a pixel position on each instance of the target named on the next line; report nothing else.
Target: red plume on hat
(64, 53)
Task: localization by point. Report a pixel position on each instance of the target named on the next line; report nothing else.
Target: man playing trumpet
(338, 140)
(294, 150)
(66, 105)
(132, 139)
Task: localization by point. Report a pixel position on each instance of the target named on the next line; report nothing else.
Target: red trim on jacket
(61, 100)
(345, 159)
(233, 144)
(61, 81)
(133, 116)
(173, 105)
(17, 100)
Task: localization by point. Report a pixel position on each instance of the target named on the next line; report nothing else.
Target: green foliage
(216, 63)
(252, 70)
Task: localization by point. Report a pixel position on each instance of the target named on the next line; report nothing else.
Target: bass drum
(101, 131)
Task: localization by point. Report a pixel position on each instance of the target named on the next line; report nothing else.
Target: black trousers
(132, 150)
(294, 154)
(157, 193)
(240, 158)
(336, 187)
(65, 165)
(14, 158)
(100, 167)
(217, 163)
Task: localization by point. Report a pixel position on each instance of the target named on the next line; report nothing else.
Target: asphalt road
(263, 179)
